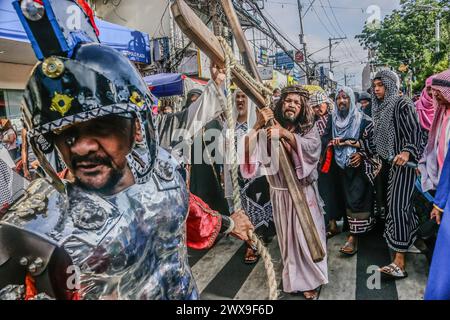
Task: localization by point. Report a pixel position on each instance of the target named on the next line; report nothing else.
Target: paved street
(221, 273)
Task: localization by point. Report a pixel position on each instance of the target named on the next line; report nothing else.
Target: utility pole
(330, 40)
(347, 77)
(438, 32)
(302, 40)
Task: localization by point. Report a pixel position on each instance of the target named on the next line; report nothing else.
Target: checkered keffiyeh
(5, 184)
(317, 98)
(383, 113)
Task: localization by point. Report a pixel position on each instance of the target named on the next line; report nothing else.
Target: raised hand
(217, 74)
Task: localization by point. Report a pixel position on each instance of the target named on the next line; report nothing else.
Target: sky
(348, 20)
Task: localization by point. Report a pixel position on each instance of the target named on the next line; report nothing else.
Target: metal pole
(438, 33)
(331, 47)
(329, 56)
(302, 40)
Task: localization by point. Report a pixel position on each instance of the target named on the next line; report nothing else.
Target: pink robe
(300, 273)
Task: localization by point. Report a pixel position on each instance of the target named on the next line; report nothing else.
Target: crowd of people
(370, 160)
(118, 192)
(364, 160)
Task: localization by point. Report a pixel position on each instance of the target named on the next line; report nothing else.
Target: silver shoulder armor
(130, 245)
(26, 246)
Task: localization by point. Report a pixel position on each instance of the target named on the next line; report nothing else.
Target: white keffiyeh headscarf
(346, 128)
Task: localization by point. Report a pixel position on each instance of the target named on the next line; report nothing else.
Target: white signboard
(266, 73)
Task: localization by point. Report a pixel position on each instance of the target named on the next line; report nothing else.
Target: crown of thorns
(297, 90)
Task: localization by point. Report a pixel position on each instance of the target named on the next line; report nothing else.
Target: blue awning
(133, 44)
(165, 84)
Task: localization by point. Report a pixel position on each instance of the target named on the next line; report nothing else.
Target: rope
(231, 63)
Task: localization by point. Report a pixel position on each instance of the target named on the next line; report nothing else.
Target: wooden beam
(204, 38)
(241, 41)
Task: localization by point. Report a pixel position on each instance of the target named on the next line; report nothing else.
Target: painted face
(95, 151)
(379, 89)
(292, 106)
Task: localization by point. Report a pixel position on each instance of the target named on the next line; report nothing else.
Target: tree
(407, 37)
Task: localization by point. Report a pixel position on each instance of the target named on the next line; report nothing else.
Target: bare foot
(399, 260)
(310, 295)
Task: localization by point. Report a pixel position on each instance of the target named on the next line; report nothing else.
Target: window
(10, 103)
(13, 103)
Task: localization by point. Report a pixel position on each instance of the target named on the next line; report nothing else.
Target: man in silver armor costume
(117, 231)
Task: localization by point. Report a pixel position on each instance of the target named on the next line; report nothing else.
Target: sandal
(394, 271)
(349, 249)
(251, 256)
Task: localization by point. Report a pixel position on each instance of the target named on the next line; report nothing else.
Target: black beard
(113, 179)
(343, 112)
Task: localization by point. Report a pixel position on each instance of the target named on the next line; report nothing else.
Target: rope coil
(230, 64)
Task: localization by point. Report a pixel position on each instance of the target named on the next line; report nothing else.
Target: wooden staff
(200, 34)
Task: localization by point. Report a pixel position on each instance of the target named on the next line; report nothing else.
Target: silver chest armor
(127, 246)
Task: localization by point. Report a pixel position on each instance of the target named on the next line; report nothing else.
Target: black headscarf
(189, 96)
(367, 97)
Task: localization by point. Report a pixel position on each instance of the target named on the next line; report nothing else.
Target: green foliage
(407, 36)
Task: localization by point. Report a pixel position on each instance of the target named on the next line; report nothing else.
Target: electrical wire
(349, 51)
(161, 20)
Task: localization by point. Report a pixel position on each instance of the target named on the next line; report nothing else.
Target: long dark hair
(304, 121)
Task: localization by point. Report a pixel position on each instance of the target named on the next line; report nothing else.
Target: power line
(350, 50)
(351, 53)
(276, 25)
(335, 18)
(306, 12)
(270, 31)
(339, 26)
(331, 6)
(332, 25)
(321, 22)
(328, 18)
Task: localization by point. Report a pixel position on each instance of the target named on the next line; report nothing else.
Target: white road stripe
(211, 263)
(255, 287)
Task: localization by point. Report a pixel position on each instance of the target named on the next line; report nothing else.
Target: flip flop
(393, 271)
